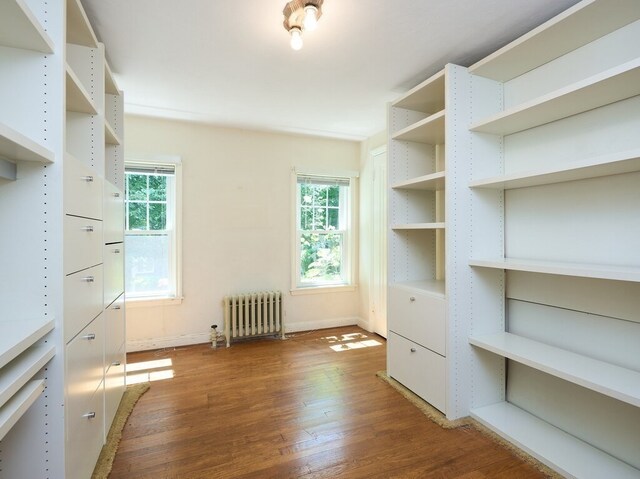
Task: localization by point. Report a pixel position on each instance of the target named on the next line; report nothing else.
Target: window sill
(324, 289)
(152, 302)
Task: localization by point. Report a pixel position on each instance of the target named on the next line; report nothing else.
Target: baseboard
(365, 324)
(321, 324)
(167, 342)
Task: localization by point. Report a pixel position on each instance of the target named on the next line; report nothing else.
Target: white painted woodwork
(79, 30)
(19, 335)
(114, 386)
(83, 292)
(429, 130)
(78, 99)
(419, 226)
(417, 368)
(608, 379)
(82, 189)
(113, 271)
(19, 371)
(16, 147)
(114, 330)
(113, 214)
(577, 26)
(110, 85)
(610, 86)
(550, 445)
(427, 97)
(19, 28)
(434, 288)
(13, 410)
(605, 165)
(433, 181)
(82, 243)
(110, 136)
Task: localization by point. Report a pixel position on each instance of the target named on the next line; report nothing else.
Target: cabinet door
(418, 316)
(113, 272)
(82, 243)
(419, 369)
(114, 329)
(82, 300)
(113, 214)
(82, 189)
(114, 384)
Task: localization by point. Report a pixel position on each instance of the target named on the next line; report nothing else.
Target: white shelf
(78, 99)
(19, 371)
(8, 170)
(19, 28)
(429, 130)
(434, 181)
(18, 405)
(427, 97)
(583, 270)
(612, 164)
(615, 84)
(17, 336)
(79, 31)
(110, 85)
(614, 381)
(419, 226)
(433, 287)
(583, 23)
(110, 136)
(552, 446)
(16, 147)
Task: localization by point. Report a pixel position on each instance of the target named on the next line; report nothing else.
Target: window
(323, 231)
(151, 230)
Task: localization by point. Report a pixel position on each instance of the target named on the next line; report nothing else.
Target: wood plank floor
(308, 407)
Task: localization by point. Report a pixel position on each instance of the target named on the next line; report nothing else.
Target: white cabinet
(555, 268)
(61, 136)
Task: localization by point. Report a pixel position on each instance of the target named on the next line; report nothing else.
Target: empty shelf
(583, 23)
(110, 85)
(552, 446)
(17, 336)
(79, 31)
(427, 97)
(617, 273)
(430, 130)
(78, 99)
(110, 136)
(614, 381)
(18, 405)
(16, 147)
(19, 371)
(419, 226)
(612, 85)
(19, 28)
(612, 164)
(433, 287)
(434, 181)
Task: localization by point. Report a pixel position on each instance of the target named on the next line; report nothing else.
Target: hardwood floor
(308, 407)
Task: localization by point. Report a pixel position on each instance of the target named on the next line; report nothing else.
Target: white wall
(236, 225)
(366, 225)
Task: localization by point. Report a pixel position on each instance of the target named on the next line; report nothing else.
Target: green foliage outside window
(146, 202)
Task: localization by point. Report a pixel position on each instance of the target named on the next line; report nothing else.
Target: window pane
(147, 264)
(319, 218)
(137, 187)
(306, 218)
(137, 216)
(157, 216)
(334, 196)
(158, 188)
(320, 195)
(334, 218)
(321, 258)
(306, 195)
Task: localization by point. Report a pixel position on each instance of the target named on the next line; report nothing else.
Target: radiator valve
(216, 337)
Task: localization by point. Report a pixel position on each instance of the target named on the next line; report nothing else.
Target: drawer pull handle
(89, 279)
(90, 415)
(116, 251)
(117, 306)
(116, 195)
(88, 229)
(413, 350)
(88, 179)
(117, 363)
(89, 337)
(412, 299)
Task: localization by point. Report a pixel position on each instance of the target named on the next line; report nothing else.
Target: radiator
(253, 315)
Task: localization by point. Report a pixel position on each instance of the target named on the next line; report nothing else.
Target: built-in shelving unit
(18, 405)
(430, 130)
(555, 166)
(19, 28)
(434, 288)
(432, 182)
(79, 31)
(419, 226)
(19, 335)
(78, 99)
(19, 371)
(110, 136)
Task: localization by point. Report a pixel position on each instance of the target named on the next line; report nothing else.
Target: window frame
(175, 236)
(349, 235)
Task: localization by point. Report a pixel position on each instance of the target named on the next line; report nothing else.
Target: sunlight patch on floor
(349, 341)
(145, 371)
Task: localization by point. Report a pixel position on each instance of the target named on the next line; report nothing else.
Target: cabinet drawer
(114, 384)
(114, 329)
(82, 299)
(85, 363)
(84, 435)
(417, 368)
(419, 316)
(82, 189)
(113, 272)
(82, 243)
(113, 214)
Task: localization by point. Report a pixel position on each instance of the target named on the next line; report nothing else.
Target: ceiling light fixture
(299, 16)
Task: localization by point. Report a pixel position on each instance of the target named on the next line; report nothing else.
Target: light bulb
(296, 38)
(310, 18)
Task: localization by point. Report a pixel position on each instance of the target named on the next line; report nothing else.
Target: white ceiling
(228, 62)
